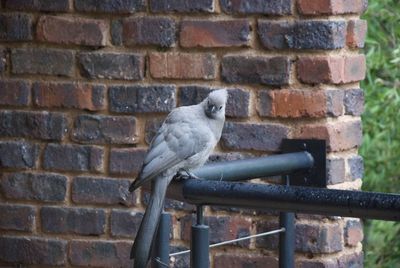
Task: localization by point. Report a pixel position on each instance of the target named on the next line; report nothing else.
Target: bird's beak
(213, 109)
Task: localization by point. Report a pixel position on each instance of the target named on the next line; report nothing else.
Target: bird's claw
(184, 175)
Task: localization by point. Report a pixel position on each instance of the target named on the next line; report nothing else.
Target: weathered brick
(238, 100)
(331, 69)
(42, 61)
(334, 102)
(73, 158)
(354, 101)
(82, 221)
(151, 127)
(115, 6)
(282, 7)
(69, 95)
(17, 217)
(186, 6)
(183, 65)
(354, 259)
(106, 191)
(105, 129)
(316, 263)
(353, 232)
(316, 238)
(221, 33)
(261, 137)
(72, 30)
(34, 186)
(3, 61)
(179, 261)
(16, 27)
(316, 34)
(14, 92)
(18, 154)
(112, 65)
(32, 250)
(125, 223)
(331, 7)
(339, 136)
(158, 31)
(126, 161)
(245, 260)
(100, 253)
(49, 126)
(38, 5)
(116, 32)
(142, 99)
(356, 167)
(356, 32)
(335, 170)
(273, 71)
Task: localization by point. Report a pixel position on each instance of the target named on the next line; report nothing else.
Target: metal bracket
(315, 176)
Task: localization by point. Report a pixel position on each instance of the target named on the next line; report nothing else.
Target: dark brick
(159, 31)
(100, 253)
(126, 161)
(38, 5)
(15, 27)
(18, 154)
(112, 65)
(270, 242)
(353, 232)
(335, 170)
(334, 102)
(32, 250)
(356, 167)
(355, 259)
(316, 238)
(187, 6)
(14, 92)
(115, 6)
(273, 71)
(42, 61)
(40, 125)
(69, 95)
(72, 30)
(80, 221)
(151, 127)
(3, 61)
(245, 260)
(238, 100)
(207, 33)
(105, 129)
(125, 223)
(261, 137)
(354, 101)
(92, 190)
(282, 7)
(116, 32)
(17, 217)
(34, 186)
(73, 158)
(302, 34)
(174, 65)
(142, 99)
(331, 7)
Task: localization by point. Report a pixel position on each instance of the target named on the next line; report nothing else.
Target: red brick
(100, 253)
(331, 7)
(339, 135)
(331, 69)
(127, 161)
(69, 95)
(72, 30)
(353, 232)
(207, 33)
(17, 217)
(245, 260)
(183, 65)
(14, 92)
(356, 32)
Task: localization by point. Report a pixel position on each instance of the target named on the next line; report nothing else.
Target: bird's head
(215, 104)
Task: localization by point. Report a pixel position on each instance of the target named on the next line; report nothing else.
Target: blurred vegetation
(381, 126)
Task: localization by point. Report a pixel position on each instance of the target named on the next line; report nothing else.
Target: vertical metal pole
(199, 243)
(161, 245)
(287, 238)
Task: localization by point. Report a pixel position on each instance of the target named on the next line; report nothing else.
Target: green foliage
(381, 125)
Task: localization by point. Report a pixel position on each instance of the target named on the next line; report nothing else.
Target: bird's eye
(220, 107)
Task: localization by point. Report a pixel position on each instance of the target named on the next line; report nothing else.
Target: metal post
(286, 238)
(199, 244)
(161, 247)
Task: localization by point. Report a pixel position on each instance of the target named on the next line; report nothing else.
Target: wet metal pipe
(289, 198)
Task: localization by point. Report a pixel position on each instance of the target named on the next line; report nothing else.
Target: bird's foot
(183, 174)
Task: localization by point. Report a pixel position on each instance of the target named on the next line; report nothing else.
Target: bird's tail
(141, 248)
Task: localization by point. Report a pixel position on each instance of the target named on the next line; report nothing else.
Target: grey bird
(184, 142)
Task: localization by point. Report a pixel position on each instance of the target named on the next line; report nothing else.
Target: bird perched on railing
(184, 142)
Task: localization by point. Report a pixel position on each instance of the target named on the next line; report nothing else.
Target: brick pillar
(85, 84)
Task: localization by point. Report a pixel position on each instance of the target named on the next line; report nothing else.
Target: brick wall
(84, 85)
